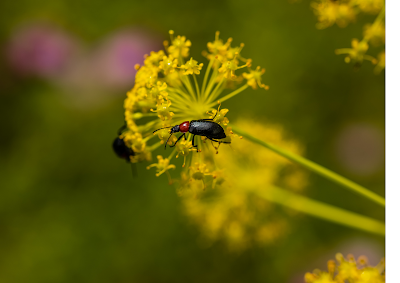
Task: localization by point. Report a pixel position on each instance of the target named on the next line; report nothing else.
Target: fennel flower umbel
(167, 93)
(348, 270)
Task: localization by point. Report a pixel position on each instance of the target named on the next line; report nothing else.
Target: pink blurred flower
(360, 148)
(108, 68)
(40, 49)
(115, 59)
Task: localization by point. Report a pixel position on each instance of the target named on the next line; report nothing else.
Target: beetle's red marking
(184, 127)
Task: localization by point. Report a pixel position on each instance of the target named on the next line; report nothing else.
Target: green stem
(217, 88)
(182, 92)
(239, 90)
(322, 210)
(154, 146)
(203, 87)
(316, 168)
(197, 86)
(343, 51)
(172, 153)
(148, 126)
(174, 97)
(146, 139)
(377, 21)
(139, 115)
(211, 83)
(188, 86)
(186, 81)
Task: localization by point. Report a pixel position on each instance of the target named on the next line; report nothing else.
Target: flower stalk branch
(322, 210)
(316, 168)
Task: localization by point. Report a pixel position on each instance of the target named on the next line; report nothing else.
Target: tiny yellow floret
(191, 67)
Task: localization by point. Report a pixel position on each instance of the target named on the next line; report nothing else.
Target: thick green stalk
(316, 168)
(322, 210)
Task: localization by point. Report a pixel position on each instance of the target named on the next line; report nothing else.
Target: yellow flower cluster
(330, 12)
(342, 12)
(348, 270)
(232, 211)
(167, 93)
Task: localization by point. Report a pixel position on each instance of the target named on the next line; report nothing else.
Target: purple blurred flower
(40, 49)
(115, 59)
(108, 68)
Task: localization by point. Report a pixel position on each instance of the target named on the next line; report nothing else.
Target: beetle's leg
(178, 139)
(210, 119)
(214, 140)
(217, 111)
(214, 115)
(215, 147)
(193, 143)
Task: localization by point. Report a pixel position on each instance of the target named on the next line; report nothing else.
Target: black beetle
(202, 127)
(122, 150)
(120, 147)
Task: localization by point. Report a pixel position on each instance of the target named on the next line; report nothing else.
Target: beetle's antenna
(161, 129)
(167, 141)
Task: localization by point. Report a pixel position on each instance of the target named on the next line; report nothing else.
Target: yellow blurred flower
(348, 270)
(356, 54)
(179, 47)
(375, 33)
(381, 62)
(330, 12)
(342, 12)
(218, 47)
(370, 6)
(232, 211)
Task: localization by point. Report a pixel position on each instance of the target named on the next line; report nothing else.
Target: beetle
(122, 150)
(203, 127)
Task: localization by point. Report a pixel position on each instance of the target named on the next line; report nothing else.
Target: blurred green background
(70, 210)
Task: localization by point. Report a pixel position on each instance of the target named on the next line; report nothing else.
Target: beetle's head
(174, 129)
